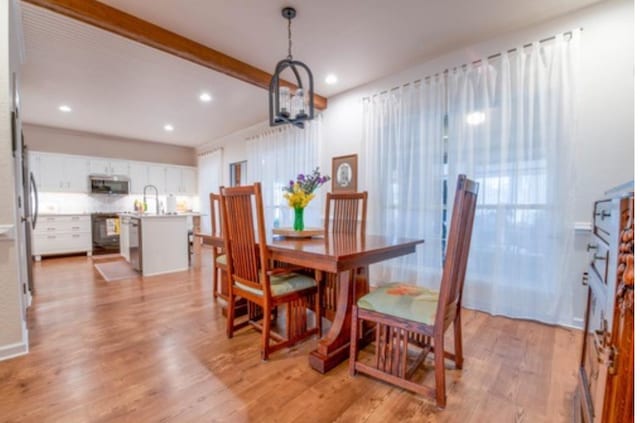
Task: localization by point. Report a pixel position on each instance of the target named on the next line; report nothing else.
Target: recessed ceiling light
(64, 108)
(168, 127)
(331, 79)
(205, 97)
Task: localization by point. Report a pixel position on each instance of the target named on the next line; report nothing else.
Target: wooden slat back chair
(251, 277)
(219, 257)
(344, 213)
(405, 315)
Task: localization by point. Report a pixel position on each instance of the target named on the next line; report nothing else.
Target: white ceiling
(119, 87)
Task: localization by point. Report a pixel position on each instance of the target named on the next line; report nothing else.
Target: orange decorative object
(404, 290)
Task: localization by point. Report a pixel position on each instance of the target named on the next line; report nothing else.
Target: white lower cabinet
(62, 234)
(124, 237)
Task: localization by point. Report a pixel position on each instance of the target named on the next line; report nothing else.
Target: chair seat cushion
(284, 284)
(222, 259)
(404, 301)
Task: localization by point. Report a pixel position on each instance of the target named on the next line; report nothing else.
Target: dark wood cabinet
(605, 387)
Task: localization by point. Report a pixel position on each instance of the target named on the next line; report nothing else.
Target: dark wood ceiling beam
(118, 22)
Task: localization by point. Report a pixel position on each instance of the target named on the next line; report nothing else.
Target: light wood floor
(154, 350)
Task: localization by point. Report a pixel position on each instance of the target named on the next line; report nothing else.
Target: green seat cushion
(284, 284)
(402, 300)
(222, 259)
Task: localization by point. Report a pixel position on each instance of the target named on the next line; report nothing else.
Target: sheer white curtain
(277, 156)
(511, 128)
(209, 178)
(403, 143)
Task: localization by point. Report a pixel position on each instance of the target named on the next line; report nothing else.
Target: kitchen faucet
(144, 196)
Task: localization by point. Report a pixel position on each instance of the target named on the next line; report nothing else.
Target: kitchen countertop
(65, 214)
(155, 216)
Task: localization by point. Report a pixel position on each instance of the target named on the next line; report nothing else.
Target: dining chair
(251, 276)
(219, 257)
(404, 315)
(346, 214)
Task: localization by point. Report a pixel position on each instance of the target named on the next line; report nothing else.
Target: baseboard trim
(13, 350)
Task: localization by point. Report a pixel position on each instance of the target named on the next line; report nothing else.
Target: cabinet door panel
(52, 178)
(174, 180)
(139, 175)
(76, 174)
(189, 181)
(119, 167)
(99, 167)
(157, 178)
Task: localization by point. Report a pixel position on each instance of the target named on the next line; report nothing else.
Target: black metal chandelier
(287, 105)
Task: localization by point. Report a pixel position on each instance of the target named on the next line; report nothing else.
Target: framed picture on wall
(344, 173)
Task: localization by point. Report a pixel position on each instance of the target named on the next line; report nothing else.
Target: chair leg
(231, 314)
(266, 331)
(441, 394)
(353, 347)
(215, 280)
(457, 334)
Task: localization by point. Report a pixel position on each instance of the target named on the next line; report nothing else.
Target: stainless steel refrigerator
(26, 199)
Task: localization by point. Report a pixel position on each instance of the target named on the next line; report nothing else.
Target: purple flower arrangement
(307, 183)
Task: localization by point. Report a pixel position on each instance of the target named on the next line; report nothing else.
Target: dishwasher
(135, 244)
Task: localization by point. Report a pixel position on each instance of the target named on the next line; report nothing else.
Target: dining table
(340, 254)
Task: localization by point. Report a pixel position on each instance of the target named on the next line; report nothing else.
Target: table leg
(334, 347)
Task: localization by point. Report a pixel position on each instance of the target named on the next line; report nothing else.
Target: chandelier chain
(290, 42)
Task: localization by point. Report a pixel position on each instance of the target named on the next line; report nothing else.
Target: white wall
(605, 111)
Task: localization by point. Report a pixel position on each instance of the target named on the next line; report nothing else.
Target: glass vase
(298, 221)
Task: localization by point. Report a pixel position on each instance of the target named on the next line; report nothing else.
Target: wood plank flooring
(154, 350)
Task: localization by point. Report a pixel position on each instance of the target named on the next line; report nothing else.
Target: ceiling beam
(118, 22)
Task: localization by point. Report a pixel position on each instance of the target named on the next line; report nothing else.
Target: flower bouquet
(300, 192)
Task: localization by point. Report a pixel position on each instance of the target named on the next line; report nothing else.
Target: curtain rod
(209, 151)
(475, 62)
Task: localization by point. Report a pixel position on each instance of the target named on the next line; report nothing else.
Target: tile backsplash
(51, 202)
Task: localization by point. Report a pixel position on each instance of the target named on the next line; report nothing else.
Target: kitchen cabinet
(157, 177)
(181, 181)
(69, 173)
(124, 236)
(174, 180)
(108, 167)
(189, 181)
(62, 234)
(60, 173)
(139, 176)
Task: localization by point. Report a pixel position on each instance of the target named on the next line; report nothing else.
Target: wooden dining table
(340, 254)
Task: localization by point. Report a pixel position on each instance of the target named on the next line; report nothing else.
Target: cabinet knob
(592, 247)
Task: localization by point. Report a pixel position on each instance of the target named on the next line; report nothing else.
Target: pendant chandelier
(287, 104)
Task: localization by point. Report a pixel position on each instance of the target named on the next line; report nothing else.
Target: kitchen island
(155, 244)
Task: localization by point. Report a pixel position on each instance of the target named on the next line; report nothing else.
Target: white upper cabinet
(120, 167)
(76, 174)
(157, 178)
(189, 181)
(181, 181)
(60, 173)
(68, 173)
(174, 180)
(139, 176)
(108, 167)
(98, 167)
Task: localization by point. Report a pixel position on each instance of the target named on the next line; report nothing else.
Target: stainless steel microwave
(112, 185)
